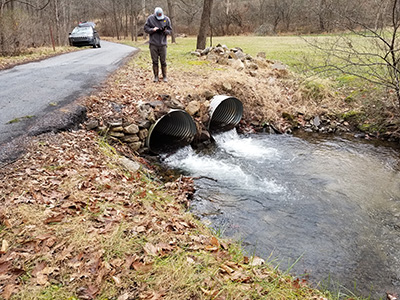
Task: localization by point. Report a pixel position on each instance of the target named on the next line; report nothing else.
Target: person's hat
(158, 12)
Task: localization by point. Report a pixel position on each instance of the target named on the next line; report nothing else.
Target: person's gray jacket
(158, 38)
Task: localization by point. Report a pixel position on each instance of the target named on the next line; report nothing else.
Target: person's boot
(155, 71)
(164, 73)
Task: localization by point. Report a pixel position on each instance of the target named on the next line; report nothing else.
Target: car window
(82, 30)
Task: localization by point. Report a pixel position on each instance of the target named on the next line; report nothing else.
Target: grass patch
(289, 50)
(17, 120)
(33, 54)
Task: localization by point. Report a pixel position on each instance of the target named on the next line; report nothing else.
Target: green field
(294, 51)
(290, 50)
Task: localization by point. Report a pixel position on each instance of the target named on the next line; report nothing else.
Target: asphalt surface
(34, 93)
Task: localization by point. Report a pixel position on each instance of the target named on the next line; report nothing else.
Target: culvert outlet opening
(171, 132)
(225, 113)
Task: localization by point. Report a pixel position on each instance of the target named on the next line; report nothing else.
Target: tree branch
(31, 5)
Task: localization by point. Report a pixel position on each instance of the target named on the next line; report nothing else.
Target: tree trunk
(126, 31)
(116, 21)
(2, 39)
(131, 21)
(136, 26)
(204, 24)
(171, 15)
(57, 22)
(322, 15)
(227, 7)
(382, 8)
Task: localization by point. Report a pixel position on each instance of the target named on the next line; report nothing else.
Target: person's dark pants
(158, 52)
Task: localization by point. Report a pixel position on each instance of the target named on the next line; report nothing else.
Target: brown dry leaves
(71, 217)
(59, 205)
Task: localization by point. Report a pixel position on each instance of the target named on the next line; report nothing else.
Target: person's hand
(155, 29)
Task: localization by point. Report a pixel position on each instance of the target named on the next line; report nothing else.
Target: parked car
(84, 35)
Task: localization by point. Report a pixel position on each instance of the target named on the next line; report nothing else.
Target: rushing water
(333, 204)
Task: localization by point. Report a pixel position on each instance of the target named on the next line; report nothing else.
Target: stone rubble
(236, 58)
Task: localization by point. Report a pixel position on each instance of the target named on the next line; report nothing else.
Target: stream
(324, 207)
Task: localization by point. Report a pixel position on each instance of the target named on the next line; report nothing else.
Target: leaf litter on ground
(74, 223)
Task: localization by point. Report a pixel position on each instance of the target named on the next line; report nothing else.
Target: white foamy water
(227, 169)
(244, 147)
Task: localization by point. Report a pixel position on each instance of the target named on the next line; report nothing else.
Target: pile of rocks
(325, 124)
(132, 134)
(234, 57)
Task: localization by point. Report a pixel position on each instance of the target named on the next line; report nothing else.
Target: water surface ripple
(333, 203)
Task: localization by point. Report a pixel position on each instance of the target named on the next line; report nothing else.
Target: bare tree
(228, 17)
(381, 7)
(136, 11)
(369, 53)
(204, 24)
(171, 15)
(116, 17)
(189, 12)
(15, 22)
(288, 11)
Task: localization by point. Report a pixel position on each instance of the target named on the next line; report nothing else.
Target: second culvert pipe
(225, 113)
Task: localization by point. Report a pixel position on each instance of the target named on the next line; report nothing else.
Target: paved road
(29, 91)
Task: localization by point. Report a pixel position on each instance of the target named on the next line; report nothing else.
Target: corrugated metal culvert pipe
(225, 113)
(172, 131)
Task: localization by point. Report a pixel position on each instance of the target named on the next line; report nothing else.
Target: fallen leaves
(89, 292)
(142, 267)
(4, 247)
(391, 296)
(54, 219)
(65, 182)
(73, 219)
(150, 249)
(256, 261)
(9, 289)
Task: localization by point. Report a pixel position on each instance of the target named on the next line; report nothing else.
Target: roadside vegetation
(32, 54)
(77, 223)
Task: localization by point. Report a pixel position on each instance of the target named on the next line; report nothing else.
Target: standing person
(158, 26)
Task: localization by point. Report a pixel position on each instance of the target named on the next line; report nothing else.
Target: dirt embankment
(274, 99)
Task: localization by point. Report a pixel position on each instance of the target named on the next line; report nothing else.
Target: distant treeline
(31, 23)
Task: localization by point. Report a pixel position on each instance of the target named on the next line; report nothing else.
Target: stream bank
(275, 100)
(51, 186)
